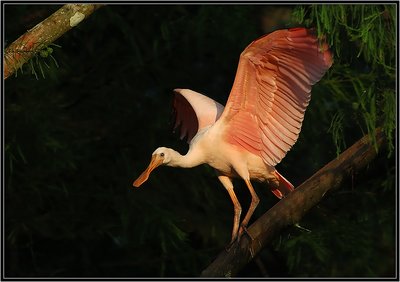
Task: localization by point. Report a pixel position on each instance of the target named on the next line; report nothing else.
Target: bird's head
(161, 156)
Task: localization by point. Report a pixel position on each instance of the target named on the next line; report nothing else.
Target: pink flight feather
(272, 90)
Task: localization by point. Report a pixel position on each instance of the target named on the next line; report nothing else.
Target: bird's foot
(228, 248)
(242, 230)
(236, 239)
(230, 245)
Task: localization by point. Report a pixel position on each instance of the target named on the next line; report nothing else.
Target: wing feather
(272, 90)
(193, 112)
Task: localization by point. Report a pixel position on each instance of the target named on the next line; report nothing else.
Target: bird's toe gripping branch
(243, 230)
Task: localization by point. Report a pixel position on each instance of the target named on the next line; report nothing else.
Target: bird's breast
(231, 160)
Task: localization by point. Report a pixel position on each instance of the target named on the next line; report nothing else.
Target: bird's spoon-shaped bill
(155, 162)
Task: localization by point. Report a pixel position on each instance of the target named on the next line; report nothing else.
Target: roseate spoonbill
(261, 121)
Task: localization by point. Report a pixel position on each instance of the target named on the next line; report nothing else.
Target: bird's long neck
(191, 159)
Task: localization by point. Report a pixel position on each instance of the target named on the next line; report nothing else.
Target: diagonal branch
(44, 33)
(291, 209)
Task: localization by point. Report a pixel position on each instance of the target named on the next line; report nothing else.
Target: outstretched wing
(272, 89)
(193, 112)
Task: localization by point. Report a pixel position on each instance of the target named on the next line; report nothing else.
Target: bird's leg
(227, 182)
(254, 203)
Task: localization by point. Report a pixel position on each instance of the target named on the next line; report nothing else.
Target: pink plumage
(193, 112)
(261, 121)
(272, 90)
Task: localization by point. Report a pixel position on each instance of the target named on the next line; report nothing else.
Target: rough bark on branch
(44, 33)
(291, 209)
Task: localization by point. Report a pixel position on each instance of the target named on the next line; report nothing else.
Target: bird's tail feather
(284, 188)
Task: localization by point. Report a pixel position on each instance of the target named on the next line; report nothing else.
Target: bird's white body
(209, 147)
(260, 122)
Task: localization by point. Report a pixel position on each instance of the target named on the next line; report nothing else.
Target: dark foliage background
(76, 139)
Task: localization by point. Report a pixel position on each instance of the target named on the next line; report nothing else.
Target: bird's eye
(162, 154)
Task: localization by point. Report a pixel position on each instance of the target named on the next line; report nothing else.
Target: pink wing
(193, 112)
(272, 89)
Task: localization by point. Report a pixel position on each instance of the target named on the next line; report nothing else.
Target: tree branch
(291, 209)
(44, 33)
